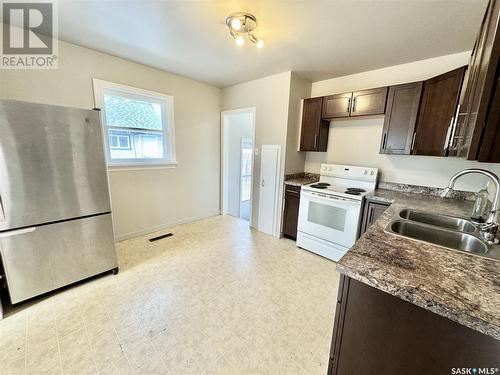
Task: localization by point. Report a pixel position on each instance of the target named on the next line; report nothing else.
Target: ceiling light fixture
(236, 24)
(243, 23)
(240, 40)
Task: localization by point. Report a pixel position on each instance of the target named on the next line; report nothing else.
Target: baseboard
(156, 228)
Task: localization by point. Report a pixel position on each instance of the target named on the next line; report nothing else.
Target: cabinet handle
(354, 104)
(454, 128)
(447, 139)
(413, 141)
(315, 141)
(348, 105)
(384, 140)
(2, 213)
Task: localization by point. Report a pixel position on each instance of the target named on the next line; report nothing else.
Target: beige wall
(357, 141)
(148, 199)
(300, 88)
(270, 96)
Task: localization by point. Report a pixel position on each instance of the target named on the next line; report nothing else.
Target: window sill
(141, 166)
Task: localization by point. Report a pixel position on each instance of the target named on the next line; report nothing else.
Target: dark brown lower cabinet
(377, 333)
(372, 211)
(291, 211)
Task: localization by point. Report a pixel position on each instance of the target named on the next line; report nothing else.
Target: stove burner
(353, 192)
(323, 183)
(357, 190)
(318, 186)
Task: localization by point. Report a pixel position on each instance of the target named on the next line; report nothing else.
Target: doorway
(238, 128)
(246, 178)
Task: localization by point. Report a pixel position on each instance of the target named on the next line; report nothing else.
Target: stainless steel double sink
(442, 230)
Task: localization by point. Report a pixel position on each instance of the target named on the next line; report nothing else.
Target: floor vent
(161, 237)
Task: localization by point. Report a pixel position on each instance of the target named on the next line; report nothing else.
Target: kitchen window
(138, 125)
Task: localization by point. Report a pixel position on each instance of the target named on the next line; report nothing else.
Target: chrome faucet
(489, 230)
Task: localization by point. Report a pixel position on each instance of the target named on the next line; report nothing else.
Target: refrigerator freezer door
(37, 260)
(51, 164)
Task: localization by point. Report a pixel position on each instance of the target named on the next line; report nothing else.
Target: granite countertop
(301, 178)
(300, 181)
(464, 288)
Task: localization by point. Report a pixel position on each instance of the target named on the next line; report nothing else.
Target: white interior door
(268, 194)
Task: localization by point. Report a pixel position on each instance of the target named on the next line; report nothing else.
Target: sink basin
(442, 221)
(442, 237)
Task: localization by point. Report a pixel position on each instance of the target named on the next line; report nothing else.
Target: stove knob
(372, 173)
(366, 172)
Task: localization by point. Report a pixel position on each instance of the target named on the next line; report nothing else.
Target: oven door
(330, 218)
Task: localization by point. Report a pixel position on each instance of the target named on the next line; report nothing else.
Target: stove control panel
(349, 172)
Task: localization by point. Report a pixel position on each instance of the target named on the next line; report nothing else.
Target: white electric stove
(330, 210)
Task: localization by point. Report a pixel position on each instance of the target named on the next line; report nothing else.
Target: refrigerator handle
(2, 213)
(11, 233)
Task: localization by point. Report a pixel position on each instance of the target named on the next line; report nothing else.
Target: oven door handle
(334, 198)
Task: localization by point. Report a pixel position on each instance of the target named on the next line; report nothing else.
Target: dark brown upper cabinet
(490, 146)
(458, 129)
(476, 134)
(369, 102)
(400, 118)
(358, 103)
(335, 106)
(314, 132)
(437, 113)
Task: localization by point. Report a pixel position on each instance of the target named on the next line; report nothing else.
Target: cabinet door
(311, 124)
(378, 333)
(291, 212)
(400, 118)
(479, 104)
(369, 102)
(437, 112)
(373, 210)
(459, 127)
(335, 106)
(490, 147)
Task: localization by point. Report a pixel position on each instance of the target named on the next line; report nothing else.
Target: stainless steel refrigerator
(55, 212)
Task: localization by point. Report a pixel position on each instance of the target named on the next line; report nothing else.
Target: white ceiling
(317, 39)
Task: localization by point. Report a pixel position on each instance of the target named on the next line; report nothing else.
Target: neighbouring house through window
(138, 125)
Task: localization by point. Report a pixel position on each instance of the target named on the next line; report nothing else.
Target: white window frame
(167, 110)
